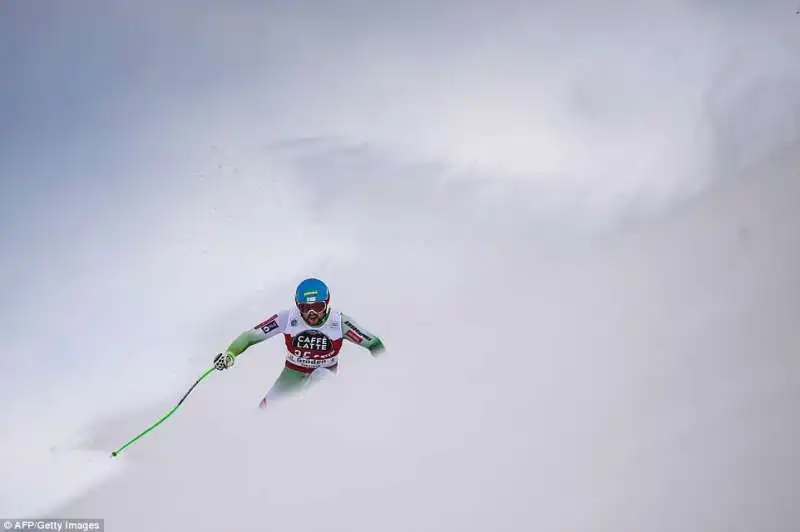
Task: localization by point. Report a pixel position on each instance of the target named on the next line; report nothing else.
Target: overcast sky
(164, 165)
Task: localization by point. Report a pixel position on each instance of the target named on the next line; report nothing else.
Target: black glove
(224, 361)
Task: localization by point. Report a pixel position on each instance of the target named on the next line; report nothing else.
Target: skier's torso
(311, 347)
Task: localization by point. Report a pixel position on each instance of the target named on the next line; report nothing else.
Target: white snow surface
(574, 226)
(648, 383)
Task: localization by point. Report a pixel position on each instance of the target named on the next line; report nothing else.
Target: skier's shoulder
(277, 320)
(334, 318)
(350, 324)
(348, 319)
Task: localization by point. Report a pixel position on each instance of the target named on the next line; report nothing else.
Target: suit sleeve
(268, 328)
(355, 333)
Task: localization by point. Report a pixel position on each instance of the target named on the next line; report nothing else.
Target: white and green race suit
(310, 348)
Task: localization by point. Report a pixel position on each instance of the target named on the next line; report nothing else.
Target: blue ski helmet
(312, 291)
(311, 298)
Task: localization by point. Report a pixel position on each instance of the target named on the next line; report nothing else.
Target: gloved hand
(224, 361)
(377, 349)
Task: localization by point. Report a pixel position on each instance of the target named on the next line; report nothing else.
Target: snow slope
(647, 382)
(507, 191)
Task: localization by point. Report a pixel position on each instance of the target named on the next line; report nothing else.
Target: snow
(575, 230)
(649, 385)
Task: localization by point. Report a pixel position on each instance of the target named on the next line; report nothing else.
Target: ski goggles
(317, 306)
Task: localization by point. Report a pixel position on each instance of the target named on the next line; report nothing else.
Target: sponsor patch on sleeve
(270, 324)
(358, 332)
(352, 335)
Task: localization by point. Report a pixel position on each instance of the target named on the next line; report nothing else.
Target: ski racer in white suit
(313, 333)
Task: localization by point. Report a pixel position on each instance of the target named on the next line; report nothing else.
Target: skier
(313, 333)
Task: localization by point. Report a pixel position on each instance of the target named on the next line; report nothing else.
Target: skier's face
(313, 313)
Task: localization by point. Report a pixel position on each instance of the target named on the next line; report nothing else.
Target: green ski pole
(157, 423)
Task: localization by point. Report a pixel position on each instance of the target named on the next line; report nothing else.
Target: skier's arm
(358, 335)
(268, 328)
